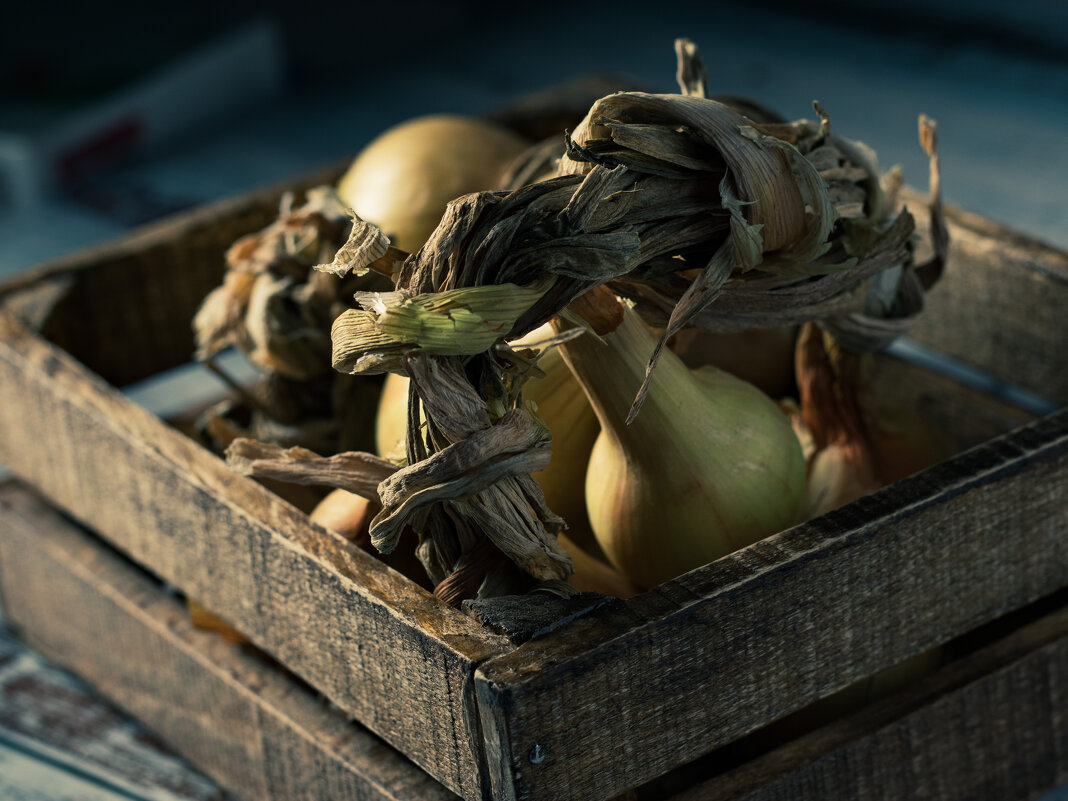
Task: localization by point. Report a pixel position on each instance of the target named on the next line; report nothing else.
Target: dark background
(995, 76)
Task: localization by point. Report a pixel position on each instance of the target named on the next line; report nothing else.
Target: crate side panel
(990, 727)
(1001, 306)
(381, 648)
(618, 698)
(66, 728)
(258, 733)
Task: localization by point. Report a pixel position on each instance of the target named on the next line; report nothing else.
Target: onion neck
(612, 370)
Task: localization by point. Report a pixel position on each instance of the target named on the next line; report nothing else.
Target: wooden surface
(989, 727)
(125, 307)
(715, 654)
(380, 647)
(60, 739)
(986, 726)
(1001, 306)
(241, 720)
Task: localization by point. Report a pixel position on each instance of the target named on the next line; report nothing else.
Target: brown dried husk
(699, 215)
(277, 310)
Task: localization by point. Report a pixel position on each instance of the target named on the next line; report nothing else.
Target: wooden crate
(986, 726)
(629, 690)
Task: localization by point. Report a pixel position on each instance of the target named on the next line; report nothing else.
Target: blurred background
(109, 119)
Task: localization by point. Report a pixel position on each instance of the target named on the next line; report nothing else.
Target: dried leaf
(366, 244)
(691, 76)
(516, 445)
(700, 214)
(359, 473)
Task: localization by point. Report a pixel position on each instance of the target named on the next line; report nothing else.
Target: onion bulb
(861, 414)
(391, 420)
(206, 620)
(593, 575)
(346, 513)
(709, 466)
(403, 180)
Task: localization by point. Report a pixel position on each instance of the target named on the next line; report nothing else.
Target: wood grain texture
(989, 727)
(380, 647)
(54, 717)
(240, 720)
(965, 416)
(619, 697)
(1001, 306)
(735, 644)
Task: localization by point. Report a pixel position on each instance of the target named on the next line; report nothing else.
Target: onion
(403, 180)
(709, 466)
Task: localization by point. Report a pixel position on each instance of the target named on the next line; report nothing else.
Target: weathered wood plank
(124, 308)
(29, 775)
(713, 655)
(241, 720)
(989, 727)
(52, 717)
(1002, 305)
(379, 646)
(965, 416)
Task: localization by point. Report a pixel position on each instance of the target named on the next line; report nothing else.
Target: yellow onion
(350, 515)
(403, 180)
(206, 620)
(862, 417)
(709, 466)
(593, 575)
(346, 513)
(391, 421)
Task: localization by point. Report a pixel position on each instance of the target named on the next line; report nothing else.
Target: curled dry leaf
(277, 310)
(286, 249)
(366, 245)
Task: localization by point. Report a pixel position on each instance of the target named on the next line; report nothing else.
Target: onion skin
(206, 620)
(863, 419)
(403, 180)
(346, 513)
(350, 515)
(593, 575)
(391, 420)
(562, 406)
(709, 466)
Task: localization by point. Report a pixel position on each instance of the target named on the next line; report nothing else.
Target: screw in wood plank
(536, 755)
